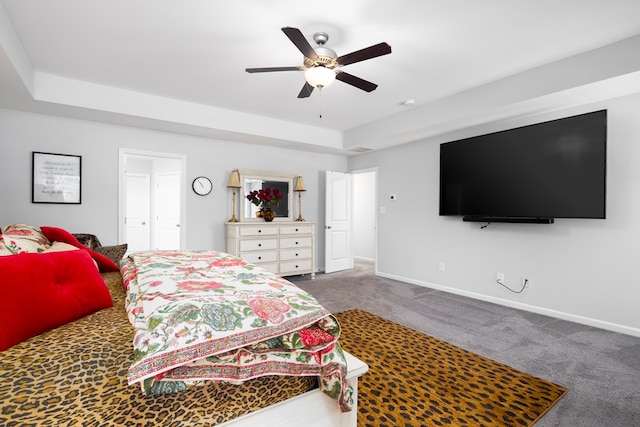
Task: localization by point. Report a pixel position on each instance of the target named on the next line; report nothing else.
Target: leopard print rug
(416, 380)
(75, 375)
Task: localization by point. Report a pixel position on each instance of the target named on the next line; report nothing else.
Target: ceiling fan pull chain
(320, 96)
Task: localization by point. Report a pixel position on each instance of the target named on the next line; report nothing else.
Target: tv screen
(535, 173)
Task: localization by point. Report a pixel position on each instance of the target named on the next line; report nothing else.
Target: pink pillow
(39, 292)
(56, 234)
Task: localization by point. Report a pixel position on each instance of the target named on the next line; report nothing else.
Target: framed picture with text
(56, 178)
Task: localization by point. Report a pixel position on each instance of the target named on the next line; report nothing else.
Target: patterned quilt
(209, 316)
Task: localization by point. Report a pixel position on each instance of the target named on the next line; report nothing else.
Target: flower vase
(268, 215)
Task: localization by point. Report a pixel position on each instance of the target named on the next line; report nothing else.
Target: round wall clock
(202, 186)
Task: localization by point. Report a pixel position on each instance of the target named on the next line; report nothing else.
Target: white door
(167, 230)
(151, 206)
(137, 212)
(337, 233)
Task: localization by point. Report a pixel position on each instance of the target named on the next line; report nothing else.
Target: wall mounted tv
(531, 174)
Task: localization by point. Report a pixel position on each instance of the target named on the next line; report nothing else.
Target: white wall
(99, 144)
(582, 270)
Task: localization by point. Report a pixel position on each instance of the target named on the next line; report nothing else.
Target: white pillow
(62, 247)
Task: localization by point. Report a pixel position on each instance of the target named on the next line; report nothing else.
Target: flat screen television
(535, 173)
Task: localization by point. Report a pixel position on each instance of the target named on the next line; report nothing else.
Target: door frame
(122, 202)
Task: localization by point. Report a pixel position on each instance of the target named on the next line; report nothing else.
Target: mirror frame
(248, 174)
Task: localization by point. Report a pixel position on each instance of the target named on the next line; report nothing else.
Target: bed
(79, 372)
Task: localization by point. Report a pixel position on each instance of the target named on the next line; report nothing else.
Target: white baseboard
(527, 307)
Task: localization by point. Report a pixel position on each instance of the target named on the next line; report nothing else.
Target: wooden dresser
(284, 248)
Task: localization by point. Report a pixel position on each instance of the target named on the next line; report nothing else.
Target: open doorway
(365, 190)
(152, 208)
(351, 219)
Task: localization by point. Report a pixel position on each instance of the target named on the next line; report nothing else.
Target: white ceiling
(179, 65)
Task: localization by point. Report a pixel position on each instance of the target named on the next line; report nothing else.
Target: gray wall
(99, 144)
(583, 270)
(580, 269)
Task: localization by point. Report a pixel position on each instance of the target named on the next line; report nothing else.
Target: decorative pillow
(60, 247)
(57, 234)
(21, 238)
(89, 240)
(43, 291)
(114, 253)
(27, 230)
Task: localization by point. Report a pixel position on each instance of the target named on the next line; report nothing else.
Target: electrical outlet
(441, 267)
(500, 277)
(526, 282)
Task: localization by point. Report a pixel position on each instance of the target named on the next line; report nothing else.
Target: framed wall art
(56, 178)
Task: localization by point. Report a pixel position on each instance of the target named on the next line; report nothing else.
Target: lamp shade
(299, 184)
(234, 179)
(319, 76)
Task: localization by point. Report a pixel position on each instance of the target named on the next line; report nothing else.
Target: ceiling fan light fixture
(320, 76)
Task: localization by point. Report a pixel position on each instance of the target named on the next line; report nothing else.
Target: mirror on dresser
(251, 180)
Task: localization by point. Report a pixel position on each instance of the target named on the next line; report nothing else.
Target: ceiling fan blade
(270, 69)
(356, 81)
(306, 91)
(364, 54)
(296, 36)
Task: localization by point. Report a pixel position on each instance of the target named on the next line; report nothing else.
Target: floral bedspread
(209, 316)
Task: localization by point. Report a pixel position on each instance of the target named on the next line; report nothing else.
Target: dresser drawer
(258, 244)
(296, 229)
(285, 248)
(259, 257)
(290, 254)
(258, 231)
(295, 242)
(272, 267)
(295, 267)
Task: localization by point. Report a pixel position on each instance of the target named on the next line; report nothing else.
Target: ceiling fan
(322, 65)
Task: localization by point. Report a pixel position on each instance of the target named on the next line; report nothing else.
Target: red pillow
(56, 234)
(39, 292)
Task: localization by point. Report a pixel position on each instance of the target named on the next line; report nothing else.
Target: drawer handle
(296, 254)
(259, 231)
(259, 257)
(296, 266)
(296, 229)
(296, 243)
(259, 244)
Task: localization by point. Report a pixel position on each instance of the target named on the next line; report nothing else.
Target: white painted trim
(526, 307)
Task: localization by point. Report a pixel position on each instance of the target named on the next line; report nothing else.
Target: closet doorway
(152, 208)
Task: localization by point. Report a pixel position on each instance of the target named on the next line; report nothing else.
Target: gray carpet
(600, 368)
